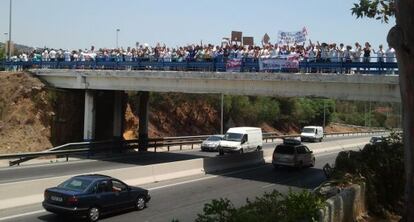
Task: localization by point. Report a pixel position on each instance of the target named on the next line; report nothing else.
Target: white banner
(288, 38)
(291, 62)
(233, 65)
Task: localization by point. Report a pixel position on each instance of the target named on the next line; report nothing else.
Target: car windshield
(76, 184)
(214, 138)
(285, 149)
(233, 136)
(376, 139)
(308, 130)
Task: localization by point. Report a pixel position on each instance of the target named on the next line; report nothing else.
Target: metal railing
(90, 148)
(214, 65)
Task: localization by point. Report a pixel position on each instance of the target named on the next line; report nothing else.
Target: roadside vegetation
(381, 167)
(283, 114)
(2, 54)
(292, 207)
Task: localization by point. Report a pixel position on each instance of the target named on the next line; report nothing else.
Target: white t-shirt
(311, 55)
(347, 55)
(24, 57)
(356, 55)
(333, 55)
(45, 56)
(274, 53)
(324, 53)
(390, 55)
(128, 56)
(82, 57)
(341, 53)
(380, 55)
(52, 54)
(66, 54)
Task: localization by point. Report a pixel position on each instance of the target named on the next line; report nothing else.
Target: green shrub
(2, 53)
(293, 207)
(382, 167)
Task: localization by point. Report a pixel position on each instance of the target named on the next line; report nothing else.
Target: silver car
(294, 154)
(211, 143)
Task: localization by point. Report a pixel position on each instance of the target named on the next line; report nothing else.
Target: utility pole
(117, 31)
(10, 31)
(222, 114)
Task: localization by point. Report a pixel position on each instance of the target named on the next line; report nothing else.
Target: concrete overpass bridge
(382, 88)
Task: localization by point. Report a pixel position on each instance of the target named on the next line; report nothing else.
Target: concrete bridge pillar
(89, 116)
(118, 115)
(143, 111)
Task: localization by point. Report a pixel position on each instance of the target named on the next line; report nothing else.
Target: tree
(2, 53)
(401, 38)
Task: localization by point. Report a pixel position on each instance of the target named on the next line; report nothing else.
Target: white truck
(312, 133)
(240, 140)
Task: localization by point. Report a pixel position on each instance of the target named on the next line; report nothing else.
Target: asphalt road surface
(32, 172)
(183, 198)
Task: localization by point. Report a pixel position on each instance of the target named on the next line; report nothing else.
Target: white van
(312, 133)
(241, 139)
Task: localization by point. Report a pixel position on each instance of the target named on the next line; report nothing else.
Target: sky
(78, 24)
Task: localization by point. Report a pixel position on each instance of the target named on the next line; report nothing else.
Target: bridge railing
(91, 148)
(214, 65)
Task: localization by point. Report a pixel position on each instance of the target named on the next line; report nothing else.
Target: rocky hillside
(25, 114)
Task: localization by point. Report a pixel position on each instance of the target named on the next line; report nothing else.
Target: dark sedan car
(93, 195)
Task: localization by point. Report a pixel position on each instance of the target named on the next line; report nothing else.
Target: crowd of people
(303, 52)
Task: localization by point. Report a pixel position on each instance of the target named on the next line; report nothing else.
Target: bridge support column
(118, 114)
(89, 116)
(143, 121)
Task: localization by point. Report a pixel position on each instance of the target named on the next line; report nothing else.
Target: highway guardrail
(90, 148)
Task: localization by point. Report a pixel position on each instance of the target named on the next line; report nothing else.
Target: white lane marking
(22, 215)
(204, 178)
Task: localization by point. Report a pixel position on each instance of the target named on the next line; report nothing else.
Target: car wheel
(259, 148)
(241, 150)
(93, 214)
(313, 163)
(320, 140)
(221, 152)
(140, 203)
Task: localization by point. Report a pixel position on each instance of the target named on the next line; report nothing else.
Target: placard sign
(236, 36)
(248, 41)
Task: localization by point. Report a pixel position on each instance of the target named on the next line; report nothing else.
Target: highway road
(185, 197)
(32, 172)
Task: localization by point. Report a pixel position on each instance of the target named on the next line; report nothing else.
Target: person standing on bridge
(45, 58)
(348, 57)
(367, 53)
(356, 54)
(380, 54)
(390, 57)
(52, 55)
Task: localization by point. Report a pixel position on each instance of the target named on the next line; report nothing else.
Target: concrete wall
(345, 87)
(346, 206)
